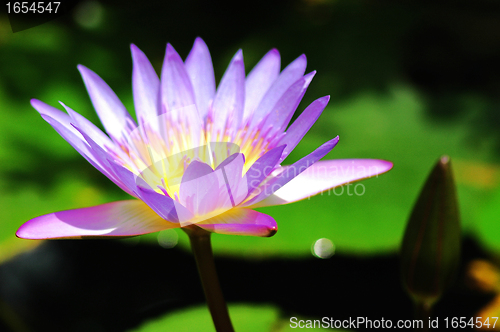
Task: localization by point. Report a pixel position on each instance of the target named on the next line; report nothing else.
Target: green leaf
(245, 317)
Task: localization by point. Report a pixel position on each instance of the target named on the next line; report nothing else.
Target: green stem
(202, 250)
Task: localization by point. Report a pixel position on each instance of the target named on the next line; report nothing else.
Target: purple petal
(290, 172)
(220, 151)
(195, 170)
(263, 167)
(163, 205)
(109, 108)
(122, 218)
(146, 89)
(102, 157)
(190, 133)
(240, 221)
(199, 190)
(73, 137)
(288, 76)
(227, 108)
(88, 127)
(93, 153)
(282, 112)
(127, 178)
(201, 72)
(323, 176)
(302, 125)
(54, 113)
(259, 80)
(61, 123)
(236, 184)
(176, 89)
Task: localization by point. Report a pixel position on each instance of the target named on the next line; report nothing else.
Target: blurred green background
(409, 81)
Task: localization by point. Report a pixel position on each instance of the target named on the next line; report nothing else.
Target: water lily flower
(197, 155)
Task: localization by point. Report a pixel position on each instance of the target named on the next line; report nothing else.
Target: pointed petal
(52, 112)
(176, 89)
(88, 127)
(227, 108)
(302, 125)
(263, 167)
(291, 172)
(201, 72)
(146, 89)
(109, 108)
(61, 122)
(88, 130)
(240, 221)
(282, 112)
(288, 76)
(259, 80)
(73, 137)
(119, 219)
(325, 175)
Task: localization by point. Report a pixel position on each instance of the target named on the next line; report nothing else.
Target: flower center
(160, 157)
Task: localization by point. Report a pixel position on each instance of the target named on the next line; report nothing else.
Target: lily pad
(245, 317)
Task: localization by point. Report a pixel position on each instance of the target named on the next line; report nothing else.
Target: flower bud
(430, 252)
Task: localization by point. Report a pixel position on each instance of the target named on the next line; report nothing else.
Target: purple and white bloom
(197, 154)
